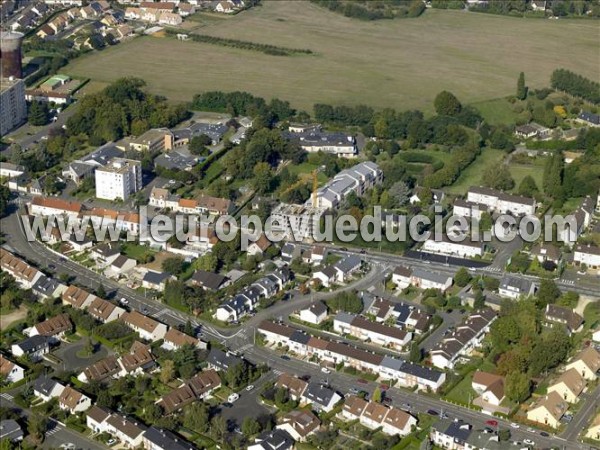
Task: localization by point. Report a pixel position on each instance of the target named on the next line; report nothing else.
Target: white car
(233, 397)
(528, 442)
(69, 446)
(325, 370)
(515, 425)
(124, 301)
(250, 387)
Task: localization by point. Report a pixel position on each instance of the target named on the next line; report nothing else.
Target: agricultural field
(399, 63)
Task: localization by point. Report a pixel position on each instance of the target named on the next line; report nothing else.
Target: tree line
(121, 109)
(374, 10)
(268, 49)
(575, 85)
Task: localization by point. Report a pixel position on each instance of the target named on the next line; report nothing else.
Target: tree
(196, 417)
(250, 427)
(38, 113)
(498, 178)
(263, 177)
(462, 277)
(218, 427)
(521, 88)
(198, 145)
(100, 291)
(36, 426)
(553, 173)
(207, 262)
(547, 293)
(446, 104)
(377, 396)
(167, 370)
(174, 265)
(399, 192)
(416, 355)
(518, 386)
(527, 187)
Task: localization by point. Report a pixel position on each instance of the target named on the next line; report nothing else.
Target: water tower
(10, 54)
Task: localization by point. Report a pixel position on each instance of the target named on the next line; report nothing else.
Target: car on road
(528, 442)
(68, 446)
(51, 267)
(543, 433)
(488, 430)
(433, 412)
(530, 430)
(227, 405)
(124, 301)
(250, 387)
(405, 406)
(286, 357)
(111, 441)
(444, 416)
(325, 370)
(233, 397)
(492, 423)
(354, 390)
(305, 377)
(515, 425)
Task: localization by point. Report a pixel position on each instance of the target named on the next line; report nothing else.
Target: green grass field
(401, 63)
(471, 176)
(520, 171)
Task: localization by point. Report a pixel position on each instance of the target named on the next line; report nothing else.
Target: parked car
(433, 412)
(250, 387)
(325, 370)
(515, 425)
(124, 301)
(543, 433)
(233, 397)
(528, 442)
(286, 357)
(492, 423)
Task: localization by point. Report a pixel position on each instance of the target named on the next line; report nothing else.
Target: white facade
(588, 255)
(465, 249)
(310, 316)
(501, 202)
(118, 179)
(13, 108)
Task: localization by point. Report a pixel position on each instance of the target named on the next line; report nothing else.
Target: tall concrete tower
(10, 54)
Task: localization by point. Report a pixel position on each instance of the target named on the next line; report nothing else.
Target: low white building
(515, 287)
(501, 202)
(588, 255)
(431, 280)
(11, 371)
(148, 328)
(464, 248)
(316, 313)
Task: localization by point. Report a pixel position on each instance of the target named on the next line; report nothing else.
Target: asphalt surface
(241, 338)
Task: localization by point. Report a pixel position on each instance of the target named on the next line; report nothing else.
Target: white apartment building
(297, 222)
(500, 202)
(118, 179)
(465, 248)
(13, 108)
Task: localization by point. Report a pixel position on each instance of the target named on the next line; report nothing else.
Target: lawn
(389, 63)
(462, 392)
(496, 111)
(137, 252)
(471, 176)
(520, 171)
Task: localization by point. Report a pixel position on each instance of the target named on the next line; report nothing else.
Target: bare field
(399, 63)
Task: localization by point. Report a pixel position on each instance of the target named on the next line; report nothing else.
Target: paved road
(418, 402)
(57, 434)
(584, 415)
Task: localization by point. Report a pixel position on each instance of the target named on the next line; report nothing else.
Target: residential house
(315, 313)
(95, 418)
(138, 361)
(104, 254)
(489, 386)
(463, 340)
(546, 251)
(317, 254)
(103, 370)
(548, 410)
(159, 439)
(53, 328)
(299, 424)
(46, 287)
(209, 281)
(197, 388)
(402, 277)
(587, 363)
(464, 208)
(175, 339)
(588, 255)
(425, 279)
(374, 332)
(128, 431)
(398, 422)
(104, 311)
(321, 398)
(46, 388)
(450, 435)
(34, 348)
(273, 440)
(593, 431)
(353, 408)
(49, 206)
(73, 401)
(10, 371)
(589, 119)
(24, 274)
(148, 328)
(566, 316)
(500, 202)
(10, 431)
(259, 246)
(569, 385)
(294, 386)
(120, 266)
(9, 170)
(156, 280)
(596, 335)
(465, 248)
(516, 287)
(221, 361)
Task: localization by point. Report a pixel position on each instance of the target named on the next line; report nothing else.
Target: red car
(492, 423)
(384, 387)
